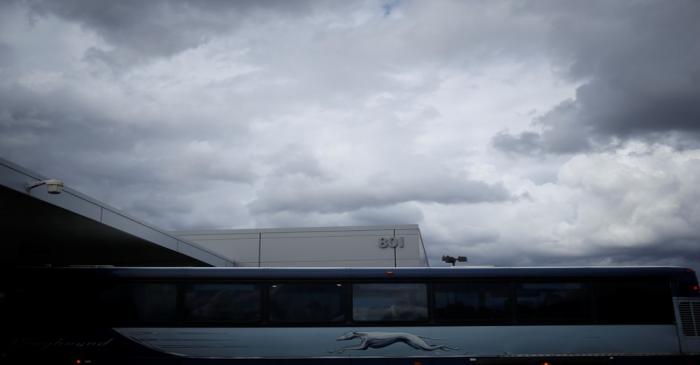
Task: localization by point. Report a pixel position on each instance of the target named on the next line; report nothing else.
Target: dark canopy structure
(44, 224)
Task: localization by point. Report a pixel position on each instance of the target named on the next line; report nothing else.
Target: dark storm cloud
(58, 114)
(5, 55)
(142, 168)
(672, 252)
(142, 29)
(562, 133)
(640, 66)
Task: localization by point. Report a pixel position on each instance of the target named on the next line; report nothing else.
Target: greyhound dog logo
(377, 340)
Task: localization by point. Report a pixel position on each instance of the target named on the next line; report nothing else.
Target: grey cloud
(151, 169)
(295, 159)
(663, 252)
(58, 115)
(396, 214)
(300, 114)
(560, 133)
(678, 251)
(308, 195)
(640, 66)
(5, 55)
(673, 252)
(142, 29)
(526, 143)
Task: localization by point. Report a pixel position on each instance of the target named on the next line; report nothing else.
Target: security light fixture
(452, 260)
(53, 186)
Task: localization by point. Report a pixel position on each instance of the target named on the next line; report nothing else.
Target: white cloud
(637, 197)
(635, 205)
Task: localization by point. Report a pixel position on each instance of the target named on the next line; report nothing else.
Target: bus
(412, 316)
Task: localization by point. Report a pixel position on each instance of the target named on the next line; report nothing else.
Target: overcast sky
(512, 132)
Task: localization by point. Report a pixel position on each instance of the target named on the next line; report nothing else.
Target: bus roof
(381, 273)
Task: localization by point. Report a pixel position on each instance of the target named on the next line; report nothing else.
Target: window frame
(267, 303)
(428, 294)
(183, 312)
(588, 317)
(509, 320)
(348, 298)
(130, 322)
(663, 282)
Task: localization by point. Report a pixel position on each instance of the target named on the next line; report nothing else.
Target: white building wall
(315, 247)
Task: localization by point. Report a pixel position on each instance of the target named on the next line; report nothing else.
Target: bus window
(634, 302)
(4, 305)
(141, 303)
(389, 302)
(552, 303)
(222, 303)
(306, 303)
(54, 304)
(3, 298)
(472, 302)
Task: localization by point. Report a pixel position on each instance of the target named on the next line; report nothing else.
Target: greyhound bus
(413, 316)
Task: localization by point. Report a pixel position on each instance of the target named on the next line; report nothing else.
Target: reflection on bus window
(634, 302)
(154, 302)
(306, 303)
(141, 303)
(472, 302)
(389, 302)
(222, 302)
(3, 305)
(552, 302)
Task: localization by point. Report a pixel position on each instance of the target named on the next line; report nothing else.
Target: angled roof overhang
(66, 229)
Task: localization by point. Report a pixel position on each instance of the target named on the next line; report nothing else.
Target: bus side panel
(452, 341)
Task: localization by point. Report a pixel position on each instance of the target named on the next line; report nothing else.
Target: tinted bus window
(389, 302)
(55, 304)
(222, 303)
(552, 302)
(141, 303)
(306, 303)
(634, 302)
(472, 302)
(3, 302)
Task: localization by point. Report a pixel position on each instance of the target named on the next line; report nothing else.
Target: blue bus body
(417, 316)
